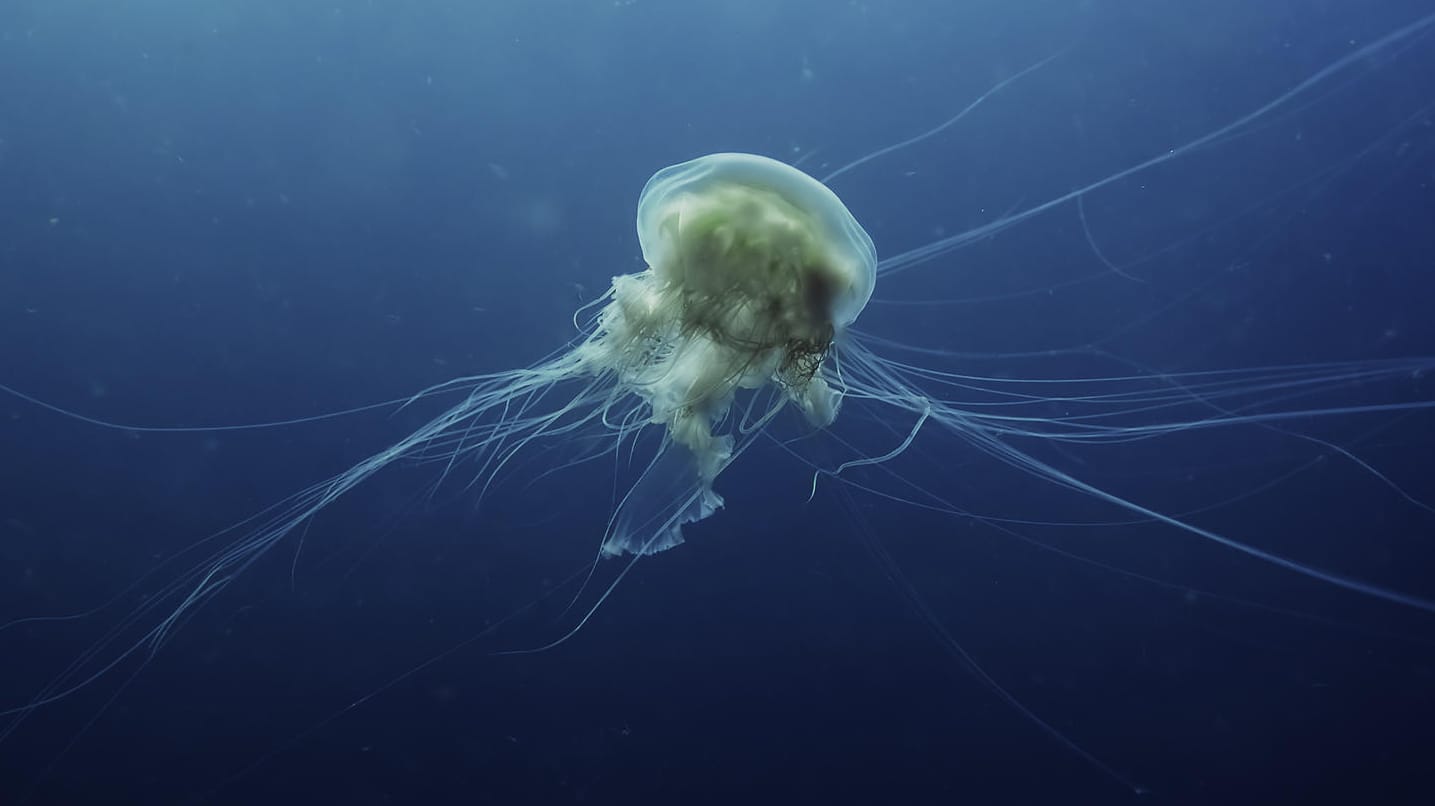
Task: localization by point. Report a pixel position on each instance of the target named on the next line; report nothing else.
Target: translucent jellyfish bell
(753, 269)
(841, 242)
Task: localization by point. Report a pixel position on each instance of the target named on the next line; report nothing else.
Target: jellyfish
(756, 274)
(754, 269)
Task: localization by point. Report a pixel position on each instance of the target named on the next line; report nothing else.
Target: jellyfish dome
(754, 268)
(760, 198)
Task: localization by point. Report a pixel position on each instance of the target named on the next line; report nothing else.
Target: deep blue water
(219, 212)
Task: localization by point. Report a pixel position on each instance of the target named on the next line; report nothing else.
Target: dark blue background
(222, 212)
